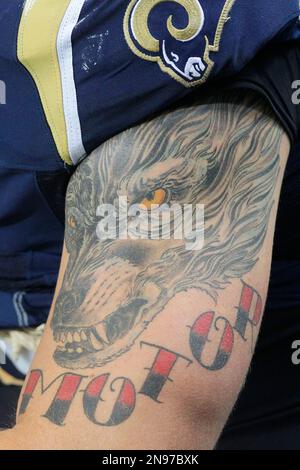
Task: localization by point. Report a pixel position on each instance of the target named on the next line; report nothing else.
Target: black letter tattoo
(62, 401)
(159, 373)
(123, 406)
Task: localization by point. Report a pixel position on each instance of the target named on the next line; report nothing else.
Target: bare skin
(148, 344)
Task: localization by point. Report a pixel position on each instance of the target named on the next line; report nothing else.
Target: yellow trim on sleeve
(37, 51)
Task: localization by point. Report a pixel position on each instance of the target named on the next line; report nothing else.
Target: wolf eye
(72, 221)
(157, 197)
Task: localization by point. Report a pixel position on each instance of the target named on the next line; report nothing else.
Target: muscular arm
(149, 341)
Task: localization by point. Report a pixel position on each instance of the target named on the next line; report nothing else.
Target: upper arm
(149, 341)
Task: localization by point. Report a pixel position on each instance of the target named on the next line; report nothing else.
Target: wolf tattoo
(198, 154)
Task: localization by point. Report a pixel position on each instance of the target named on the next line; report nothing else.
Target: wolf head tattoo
(222, 154)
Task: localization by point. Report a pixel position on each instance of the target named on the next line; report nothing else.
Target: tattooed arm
(150, 339)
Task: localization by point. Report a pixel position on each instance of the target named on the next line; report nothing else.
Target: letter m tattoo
(58, 410)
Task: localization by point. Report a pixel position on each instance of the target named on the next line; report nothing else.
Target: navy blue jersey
(79, 71)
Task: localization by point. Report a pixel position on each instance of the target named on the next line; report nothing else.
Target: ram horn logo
(179, 39)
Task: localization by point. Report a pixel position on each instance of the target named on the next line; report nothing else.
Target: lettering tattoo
(157, 376)
(224, 153)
